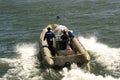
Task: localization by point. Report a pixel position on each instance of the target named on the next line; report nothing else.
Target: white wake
(105, 55)
(108, 57)
(24, 65)
(78, 74)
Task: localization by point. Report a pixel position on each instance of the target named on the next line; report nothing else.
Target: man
(71, 36)
(49, 35)
(70, 33)
(65, 39)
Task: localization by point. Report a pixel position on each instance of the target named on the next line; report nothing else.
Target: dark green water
(95, 22)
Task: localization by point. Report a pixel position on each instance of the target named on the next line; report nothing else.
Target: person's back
(49, 35)
(66, 42)
(65, 37)
(70, 35)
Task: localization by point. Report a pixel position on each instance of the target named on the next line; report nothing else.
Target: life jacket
(49, 35)
(70, 35)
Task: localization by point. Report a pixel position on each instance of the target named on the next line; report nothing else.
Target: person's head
(48, 28)
(64, 32)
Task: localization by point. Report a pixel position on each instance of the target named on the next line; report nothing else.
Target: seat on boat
(61, 45)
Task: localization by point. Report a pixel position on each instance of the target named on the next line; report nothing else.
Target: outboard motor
(67, 64)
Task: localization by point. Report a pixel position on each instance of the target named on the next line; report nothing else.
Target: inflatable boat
(65, 55)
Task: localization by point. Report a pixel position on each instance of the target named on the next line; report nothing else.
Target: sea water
(94, 22)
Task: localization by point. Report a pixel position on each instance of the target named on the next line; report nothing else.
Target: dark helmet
(48, 28)
(64, 31)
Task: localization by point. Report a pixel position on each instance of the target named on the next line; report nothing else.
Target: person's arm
(54, 35)
(61, 37)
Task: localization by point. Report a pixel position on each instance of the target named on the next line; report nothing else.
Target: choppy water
(95, 22)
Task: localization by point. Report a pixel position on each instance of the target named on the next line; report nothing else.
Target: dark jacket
(49, 35)
(65, 37)
(70, 35)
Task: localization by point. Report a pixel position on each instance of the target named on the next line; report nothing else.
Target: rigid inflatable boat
(64, 56)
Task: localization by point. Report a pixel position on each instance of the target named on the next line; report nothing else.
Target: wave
(104, 55)
(78, 74)
(24, 66)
